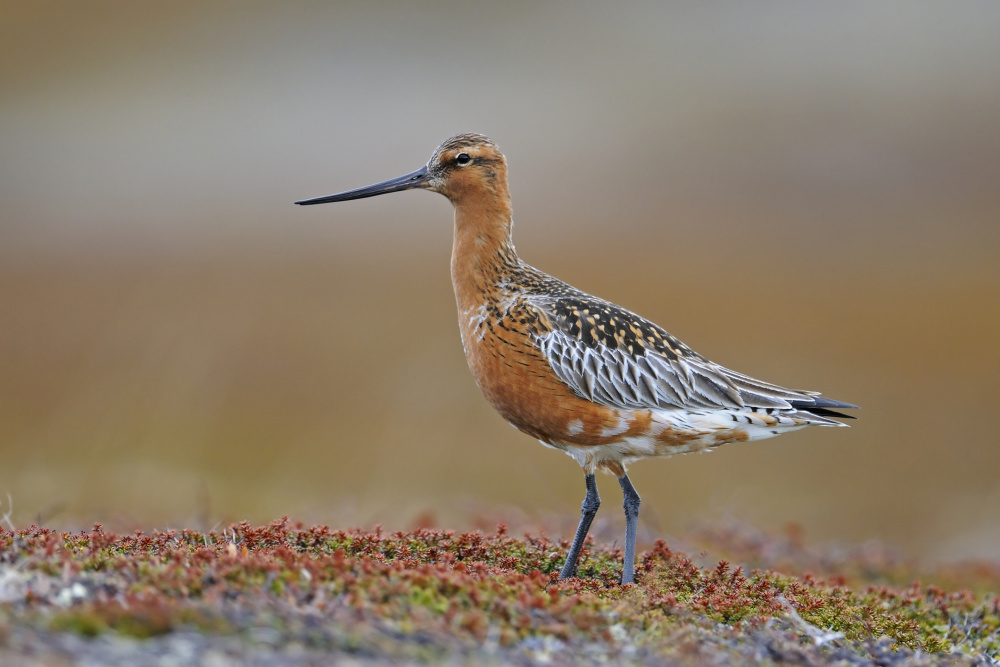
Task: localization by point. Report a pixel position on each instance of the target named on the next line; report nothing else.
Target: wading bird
(578, 373)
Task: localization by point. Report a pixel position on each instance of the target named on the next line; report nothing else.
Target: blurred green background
(807, 193)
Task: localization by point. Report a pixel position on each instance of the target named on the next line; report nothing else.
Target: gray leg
(588, 510)
(631, 519)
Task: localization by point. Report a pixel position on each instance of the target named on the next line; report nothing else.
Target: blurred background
(807, 193)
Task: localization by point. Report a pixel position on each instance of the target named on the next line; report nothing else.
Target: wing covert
(614, 357)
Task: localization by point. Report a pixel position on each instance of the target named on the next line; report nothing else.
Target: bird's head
(467, 165)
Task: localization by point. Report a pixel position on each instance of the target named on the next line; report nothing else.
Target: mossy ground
(428, 595)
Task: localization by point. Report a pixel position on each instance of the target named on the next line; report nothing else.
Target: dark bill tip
(415, 179)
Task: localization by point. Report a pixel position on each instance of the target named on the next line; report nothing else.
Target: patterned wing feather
(616, 358)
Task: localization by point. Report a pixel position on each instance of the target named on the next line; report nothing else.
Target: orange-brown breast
(517, 380)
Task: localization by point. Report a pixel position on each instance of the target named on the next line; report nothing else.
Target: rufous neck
(483, 251)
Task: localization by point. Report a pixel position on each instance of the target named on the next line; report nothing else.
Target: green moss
(84, 623)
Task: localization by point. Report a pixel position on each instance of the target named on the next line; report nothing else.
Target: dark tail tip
(821, 407)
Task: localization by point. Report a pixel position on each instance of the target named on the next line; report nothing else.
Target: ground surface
(295, 595)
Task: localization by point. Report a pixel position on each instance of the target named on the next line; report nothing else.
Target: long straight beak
(416, 179)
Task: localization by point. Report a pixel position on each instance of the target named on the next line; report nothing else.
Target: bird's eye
(462, 159)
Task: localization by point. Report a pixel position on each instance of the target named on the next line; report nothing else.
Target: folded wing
(616, 358)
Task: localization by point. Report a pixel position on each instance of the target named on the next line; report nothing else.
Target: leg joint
(632, 499)
(632, 503)
(592, 500)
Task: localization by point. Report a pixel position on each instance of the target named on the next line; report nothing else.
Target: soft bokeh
(807, 193)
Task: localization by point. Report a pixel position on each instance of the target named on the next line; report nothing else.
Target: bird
(578, 373)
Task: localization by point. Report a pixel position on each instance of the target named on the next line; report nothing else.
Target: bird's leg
(588, 510)
(631, 519)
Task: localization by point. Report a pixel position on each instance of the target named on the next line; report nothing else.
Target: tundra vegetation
(310, 594)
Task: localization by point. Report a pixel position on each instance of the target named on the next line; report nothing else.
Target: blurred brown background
(807, 193)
